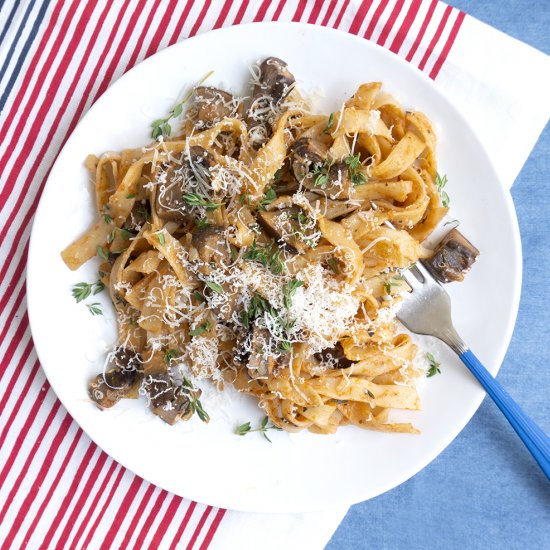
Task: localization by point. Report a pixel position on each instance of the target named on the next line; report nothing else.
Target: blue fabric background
(485, 491)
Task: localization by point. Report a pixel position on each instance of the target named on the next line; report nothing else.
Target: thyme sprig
(194, 199)
(356, 173)
(81, 291)
(441, 182)
(200, 329)
(246, 428)
(196, 405)
(433, 366)
(269, 256)
(95, 308)
(289, 289)
(161, 126)
(330, 124)
(269, 197)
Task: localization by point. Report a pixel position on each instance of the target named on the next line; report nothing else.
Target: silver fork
(427, 310)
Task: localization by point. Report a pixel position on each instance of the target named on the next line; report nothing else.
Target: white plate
(210, 464)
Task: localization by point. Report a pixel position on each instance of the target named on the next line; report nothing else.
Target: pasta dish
(249, 245)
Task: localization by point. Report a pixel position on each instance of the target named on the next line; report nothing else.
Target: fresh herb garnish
(285, 347)
(333, 264)
(395, 281)
(95, 308)
(246, 428)
(107, 218)
(197, 331)
(131, 196)
(126, 233)
(289, 289)
(356, 175)
(256, 307)
(433, 366)
(198, 296)
(161, 126)
(330, 124)
(101, 253)
(81, 291)
(170, 354)
(196, 405)
(455, 223)
(269, 197)
(160, 237)
(441, 182)
(278, 174)
(244, 199)
(320, 173)
(370, 394)
(202, 223)
(269, 256)
(214, 286)
(194, 199)
(111, 237)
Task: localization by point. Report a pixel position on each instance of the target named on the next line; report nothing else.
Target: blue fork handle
(534, 438)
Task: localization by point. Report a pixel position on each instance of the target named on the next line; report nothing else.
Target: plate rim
(512, 215)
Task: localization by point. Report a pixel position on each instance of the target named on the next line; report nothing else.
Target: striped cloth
(57, 489)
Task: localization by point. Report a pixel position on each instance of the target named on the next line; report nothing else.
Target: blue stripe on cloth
(24, 51)
(8, 21)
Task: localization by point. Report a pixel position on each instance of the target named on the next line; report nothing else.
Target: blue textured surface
(485, 490)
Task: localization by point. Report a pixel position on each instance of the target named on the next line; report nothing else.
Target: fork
(427, 311)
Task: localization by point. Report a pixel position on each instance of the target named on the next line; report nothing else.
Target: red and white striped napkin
(57, 489)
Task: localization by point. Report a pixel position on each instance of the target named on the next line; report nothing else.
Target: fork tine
(425, 273)
(412, 281)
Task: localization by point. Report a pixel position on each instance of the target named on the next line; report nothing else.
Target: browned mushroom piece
(168, 401)
(311, 170)
(334, 358)
(180, 180)
(212, 246)
(330, 209)
(260, 362)
(308, 157)
(108, 390)
(138, 217)
(275, 83)
(211, 106)
(127, 360)
(453, 258)
(288, 225)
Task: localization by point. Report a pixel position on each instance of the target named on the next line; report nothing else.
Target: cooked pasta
(250, 248)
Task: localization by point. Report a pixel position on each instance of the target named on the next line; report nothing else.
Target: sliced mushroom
(329, 208)
(334, 358)
(138, 217)
(260, 363)
(285, 225)
(212, 246)
(180, 180)
(108, 390)
(453, 258)
(127, 360)
(275, 83)
(311, 169)
(308, 157)
(168, 401)
(211, 106)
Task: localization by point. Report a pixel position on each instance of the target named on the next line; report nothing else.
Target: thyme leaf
(95, 308)
(161, 126)
(264, 426)
(433, 366)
